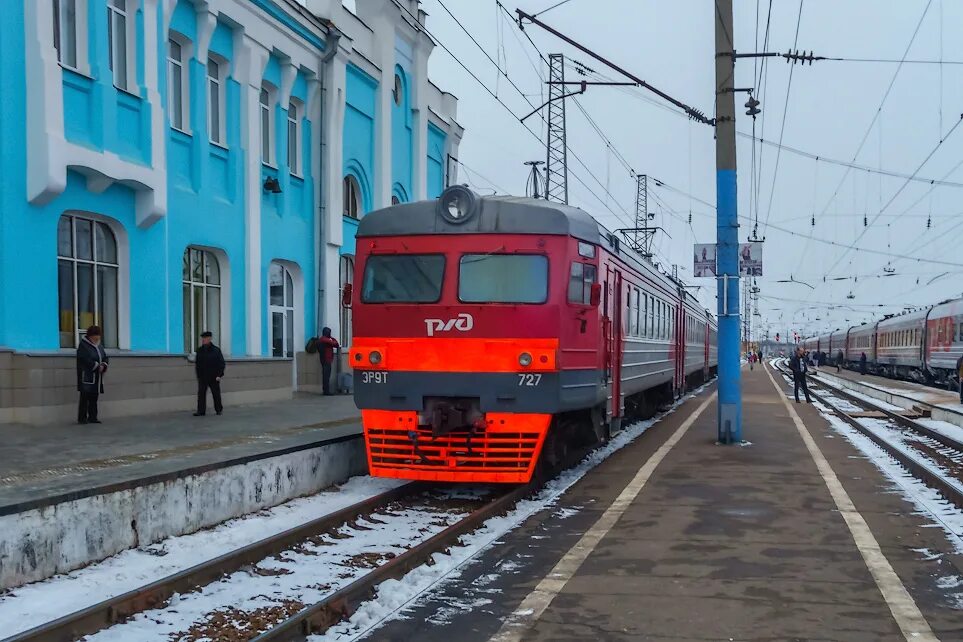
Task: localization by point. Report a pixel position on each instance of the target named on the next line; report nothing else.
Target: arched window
(346, 277)
(352, 197)
(202, 297)
(87, 279)
(397, 91)
(281, 310)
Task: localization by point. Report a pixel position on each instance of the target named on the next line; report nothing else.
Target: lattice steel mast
(556, 162)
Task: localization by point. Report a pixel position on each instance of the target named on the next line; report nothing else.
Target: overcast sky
(830, 109)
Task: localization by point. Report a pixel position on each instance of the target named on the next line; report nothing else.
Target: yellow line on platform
(552, 584)
(901, 604)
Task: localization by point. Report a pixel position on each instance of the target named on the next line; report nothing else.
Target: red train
(492, 331)
(922, 345)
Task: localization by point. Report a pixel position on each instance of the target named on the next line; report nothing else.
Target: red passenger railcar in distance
(490, 332)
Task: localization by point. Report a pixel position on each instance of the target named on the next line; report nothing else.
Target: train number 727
(530, 380)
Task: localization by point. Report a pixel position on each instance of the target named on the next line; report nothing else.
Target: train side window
(581, 279)
(960, 337)
(645, 315)
(586, 249)
(634, 313)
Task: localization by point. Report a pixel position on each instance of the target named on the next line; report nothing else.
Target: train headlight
(374, 357)
(457, 204)
(524, 359)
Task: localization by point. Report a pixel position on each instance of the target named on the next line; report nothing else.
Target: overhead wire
(503, 104)
(882, 102)
(785, 114)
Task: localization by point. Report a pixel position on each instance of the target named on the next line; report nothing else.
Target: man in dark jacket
(959, 375)
(839, 360)
(92, 363)
(862, 363)
(326, 347)
(209, 367)
(797, 363)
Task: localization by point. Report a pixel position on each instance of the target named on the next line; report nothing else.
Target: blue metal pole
(727, 232)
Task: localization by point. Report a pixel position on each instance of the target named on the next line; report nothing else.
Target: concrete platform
(722, 543)
(39, 466)
(71, 495)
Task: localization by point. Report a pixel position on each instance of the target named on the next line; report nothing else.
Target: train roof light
(457, 204)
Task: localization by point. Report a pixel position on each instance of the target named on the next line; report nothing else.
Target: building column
(419, 164)
(331, 176)
(385, 48)
(252, 59)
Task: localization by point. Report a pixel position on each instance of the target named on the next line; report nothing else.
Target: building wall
(437, 159)
(359, 144)
(75, 143)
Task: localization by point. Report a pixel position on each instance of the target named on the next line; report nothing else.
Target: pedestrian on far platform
(862, 363)
(839, 360)
(959, 375)
(798, 365)
(327, 346)
(92, 363)
(209, 367)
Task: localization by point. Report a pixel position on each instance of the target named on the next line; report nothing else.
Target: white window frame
(294, 142)
(266, 120)
(352, 181)
(192, 334)
(185, 84)
(217, 85)
(94, 263)
(346, 276)
(126, 81)
(61, 10)
(288, 312)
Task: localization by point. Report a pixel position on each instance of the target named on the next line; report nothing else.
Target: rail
(928, 476)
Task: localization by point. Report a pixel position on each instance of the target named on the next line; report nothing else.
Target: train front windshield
(503, 278)
(403, 278)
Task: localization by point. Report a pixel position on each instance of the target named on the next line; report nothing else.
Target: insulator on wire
(813, 223)
(865, 221)
(929, 221)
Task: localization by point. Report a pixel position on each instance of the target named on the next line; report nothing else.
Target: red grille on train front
(504, 451)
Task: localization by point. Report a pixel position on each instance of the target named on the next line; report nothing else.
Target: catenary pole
(727, 231)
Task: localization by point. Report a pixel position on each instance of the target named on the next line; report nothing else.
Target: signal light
(374, 357)
(524, 359)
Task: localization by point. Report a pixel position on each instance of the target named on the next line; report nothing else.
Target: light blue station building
(174, 166)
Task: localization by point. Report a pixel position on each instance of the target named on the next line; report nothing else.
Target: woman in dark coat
(91, 365)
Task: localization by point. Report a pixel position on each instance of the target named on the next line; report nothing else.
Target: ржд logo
(463, 323)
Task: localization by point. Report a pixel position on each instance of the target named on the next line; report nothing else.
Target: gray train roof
(497, 215)
(508, 215)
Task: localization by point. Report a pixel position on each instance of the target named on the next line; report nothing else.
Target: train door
(615, 345)
(678, 340)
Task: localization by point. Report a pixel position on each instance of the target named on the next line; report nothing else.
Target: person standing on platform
(862, 363)
(752, 359)
(797, 363)
(959, 375)
(209, 367)
(839, 360)
(328, 345)
(760, 357)
(92, 363)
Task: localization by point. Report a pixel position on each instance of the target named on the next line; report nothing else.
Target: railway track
(447, 514)
(932, 457)
(448, 511)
